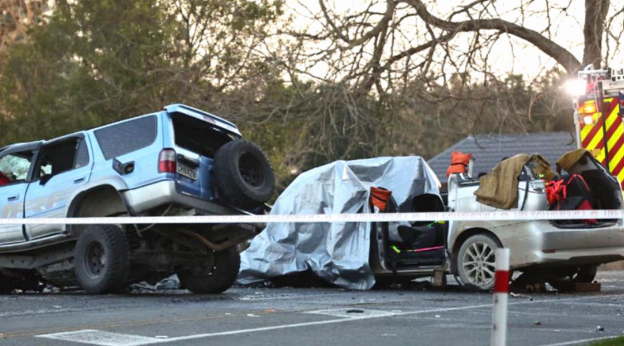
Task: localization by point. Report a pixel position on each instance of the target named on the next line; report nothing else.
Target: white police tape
(508, 215)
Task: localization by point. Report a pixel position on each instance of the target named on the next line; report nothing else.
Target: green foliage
(98, 61)
(94, 62)
(616, 341)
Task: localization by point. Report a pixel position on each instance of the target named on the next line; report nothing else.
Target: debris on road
(518, 295)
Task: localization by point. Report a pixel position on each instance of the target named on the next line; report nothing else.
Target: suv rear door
(196, 137)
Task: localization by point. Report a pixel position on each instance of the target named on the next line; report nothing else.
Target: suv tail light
(167, 161)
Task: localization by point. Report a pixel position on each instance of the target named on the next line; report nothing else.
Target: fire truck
(598, 109)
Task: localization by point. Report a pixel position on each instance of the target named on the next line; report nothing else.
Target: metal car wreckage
(361, 255)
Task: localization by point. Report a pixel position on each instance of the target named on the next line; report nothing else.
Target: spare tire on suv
(243, 173)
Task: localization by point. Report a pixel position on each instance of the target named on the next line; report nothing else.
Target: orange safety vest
(380, 197)
(459, 163)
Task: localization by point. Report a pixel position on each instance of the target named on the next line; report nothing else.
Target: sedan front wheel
(476, 262)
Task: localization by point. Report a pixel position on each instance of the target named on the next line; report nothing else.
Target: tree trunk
(595, 16)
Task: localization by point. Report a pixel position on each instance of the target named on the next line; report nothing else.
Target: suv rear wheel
(102, 260)
(216, 279)
(243, 173)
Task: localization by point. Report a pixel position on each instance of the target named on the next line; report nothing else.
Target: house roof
(488, 150)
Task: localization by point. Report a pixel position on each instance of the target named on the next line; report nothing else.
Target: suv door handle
(13, 198)
(79, 180)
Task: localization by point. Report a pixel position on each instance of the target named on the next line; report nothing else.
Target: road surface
(310, 316)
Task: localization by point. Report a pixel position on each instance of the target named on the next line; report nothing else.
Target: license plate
(187, 171)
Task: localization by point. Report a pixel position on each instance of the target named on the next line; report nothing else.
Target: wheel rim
(95, 260)
(250, 169)
(479, 264)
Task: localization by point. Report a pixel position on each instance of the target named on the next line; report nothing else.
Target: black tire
(477, 256)
(385, 282)
(572, 275)
(219, 279)
(5, 285)
(102, 259)
(243, 173)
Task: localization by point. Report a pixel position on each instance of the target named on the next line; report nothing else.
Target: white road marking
(69, 336)
(352, 312)
(142, 340)
(102, 338)
(576, 342)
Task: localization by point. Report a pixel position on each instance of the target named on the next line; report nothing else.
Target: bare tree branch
(382, 25)
(549, 47)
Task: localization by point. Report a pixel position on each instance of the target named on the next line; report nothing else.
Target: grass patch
(610, 342)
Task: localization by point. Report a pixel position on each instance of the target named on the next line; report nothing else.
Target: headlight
(588, 119)
(576, 87)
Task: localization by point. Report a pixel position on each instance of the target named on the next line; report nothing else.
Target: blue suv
(179, 161)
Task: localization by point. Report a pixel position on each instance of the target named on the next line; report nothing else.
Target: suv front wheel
(102, 259)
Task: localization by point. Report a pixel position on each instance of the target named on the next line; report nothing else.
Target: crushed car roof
(25, 144)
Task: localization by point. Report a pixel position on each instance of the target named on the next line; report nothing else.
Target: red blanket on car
(3, 179)
(571, 193)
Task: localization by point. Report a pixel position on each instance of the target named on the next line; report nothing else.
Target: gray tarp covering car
(336, 252)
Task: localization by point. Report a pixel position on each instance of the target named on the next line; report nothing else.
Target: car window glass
(82, 154)
(123, 138)
(60, 157)
(198, 136)
(46, 169)
(15, 166)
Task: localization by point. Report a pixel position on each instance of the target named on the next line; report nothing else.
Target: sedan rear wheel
(476, 262)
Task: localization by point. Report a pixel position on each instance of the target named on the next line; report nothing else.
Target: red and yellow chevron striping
(609, 131)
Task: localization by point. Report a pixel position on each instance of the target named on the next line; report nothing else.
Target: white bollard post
(501, 294)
